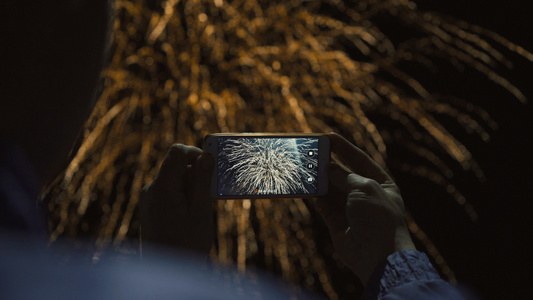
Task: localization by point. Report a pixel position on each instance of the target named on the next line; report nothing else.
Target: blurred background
(438, 101)
(494, 255)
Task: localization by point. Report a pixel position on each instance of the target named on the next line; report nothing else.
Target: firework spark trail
(268, 165)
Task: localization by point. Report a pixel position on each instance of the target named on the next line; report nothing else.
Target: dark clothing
(19, 191)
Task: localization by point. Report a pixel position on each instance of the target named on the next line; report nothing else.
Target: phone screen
(263, 166)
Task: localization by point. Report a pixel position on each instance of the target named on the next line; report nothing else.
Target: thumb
(173, 171)
(341, 178)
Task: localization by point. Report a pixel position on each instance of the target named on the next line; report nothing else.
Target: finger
(336, 193)
(333, 215)
(200, 207)
(354, 185)
(357, 160)
(202, 171)
(172, 171)
(332, 207)
(340, 178)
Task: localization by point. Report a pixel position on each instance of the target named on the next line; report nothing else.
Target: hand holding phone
(268, 165)
(363, 210)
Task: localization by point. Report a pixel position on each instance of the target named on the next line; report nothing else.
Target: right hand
(363, 210)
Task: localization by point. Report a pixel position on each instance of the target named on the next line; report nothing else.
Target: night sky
(492, 256)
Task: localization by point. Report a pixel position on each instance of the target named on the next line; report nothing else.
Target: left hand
(176, 210)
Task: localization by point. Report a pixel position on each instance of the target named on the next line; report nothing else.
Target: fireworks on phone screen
(267, 166)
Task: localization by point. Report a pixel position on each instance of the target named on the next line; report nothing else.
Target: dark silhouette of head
(51, 57)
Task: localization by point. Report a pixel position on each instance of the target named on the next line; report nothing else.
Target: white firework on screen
(249, 166)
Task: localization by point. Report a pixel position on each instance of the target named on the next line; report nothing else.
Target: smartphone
(268, 165)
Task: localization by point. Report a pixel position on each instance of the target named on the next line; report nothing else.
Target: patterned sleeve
(408, 274)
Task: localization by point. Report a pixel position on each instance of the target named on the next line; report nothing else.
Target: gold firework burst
(182, 69)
